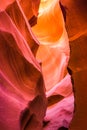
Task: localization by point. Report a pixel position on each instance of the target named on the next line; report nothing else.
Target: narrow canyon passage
(39, 40)
(54, 53)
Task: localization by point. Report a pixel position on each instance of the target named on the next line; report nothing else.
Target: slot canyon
(43, 65)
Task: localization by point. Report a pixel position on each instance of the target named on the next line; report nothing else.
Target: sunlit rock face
(54, 53)
(35, 86)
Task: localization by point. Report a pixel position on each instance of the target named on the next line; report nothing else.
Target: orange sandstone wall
(38, 40)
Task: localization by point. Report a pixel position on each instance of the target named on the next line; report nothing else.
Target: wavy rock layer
(53, 53)
(34, 55)
(21, 81)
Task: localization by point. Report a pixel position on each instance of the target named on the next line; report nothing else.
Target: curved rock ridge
(21, 82)
(54, 53)
(35, 86)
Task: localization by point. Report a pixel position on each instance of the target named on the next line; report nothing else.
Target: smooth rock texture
(54, 53)
(76, 25)
(21, 82)
(35, 86)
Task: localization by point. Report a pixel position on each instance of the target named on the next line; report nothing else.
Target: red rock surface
(21, 82)
(34, 55)
(76, 25)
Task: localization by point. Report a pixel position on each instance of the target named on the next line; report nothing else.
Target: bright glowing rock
(34, 55)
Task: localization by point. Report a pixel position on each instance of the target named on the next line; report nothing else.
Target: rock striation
(35, 86)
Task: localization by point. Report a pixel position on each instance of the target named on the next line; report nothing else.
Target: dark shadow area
(33, 21)
(63, 128)
(54, 99)
(63, 11)
(45, 123)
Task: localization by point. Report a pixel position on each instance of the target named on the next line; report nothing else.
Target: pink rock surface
(33, 67)
(21, 81)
